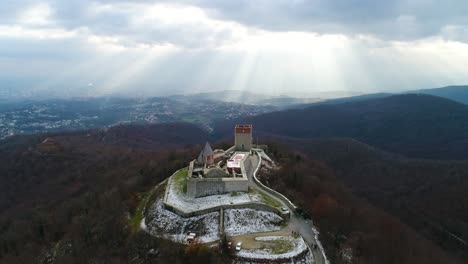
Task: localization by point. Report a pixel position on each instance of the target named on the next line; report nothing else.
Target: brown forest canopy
(74, 192)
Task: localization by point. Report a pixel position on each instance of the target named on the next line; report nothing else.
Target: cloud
(36, 15)
(384, 19)
(294, 46)
(22, 32)
(454, 32)
(209, 23)
(180, 25)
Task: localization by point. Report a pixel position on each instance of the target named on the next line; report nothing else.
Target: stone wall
(285, 260)
(249, 205)
(212, 186)
(199, 187)
(243, 140)
(205, 187)
(236, 185)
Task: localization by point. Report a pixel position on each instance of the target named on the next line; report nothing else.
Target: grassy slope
(180, 180)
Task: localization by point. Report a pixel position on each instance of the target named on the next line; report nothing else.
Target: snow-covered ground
(299, 247)
(264, 156)
(163, 223)
(322, 250)
(247, 221)
(307, 259)
(188, 204)
(267, 167)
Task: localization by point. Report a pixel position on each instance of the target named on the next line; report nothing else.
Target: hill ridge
(421, 126)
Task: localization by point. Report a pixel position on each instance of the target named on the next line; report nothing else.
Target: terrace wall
(249, 205)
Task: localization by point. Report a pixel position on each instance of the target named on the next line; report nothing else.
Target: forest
(70, 198)
(348, 224)
(73, 197)
(428, 195)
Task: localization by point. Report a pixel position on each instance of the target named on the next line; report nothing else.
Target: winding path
(296, 222)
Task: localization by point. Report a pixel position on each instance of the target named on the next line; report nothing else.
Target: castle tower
(243, 137)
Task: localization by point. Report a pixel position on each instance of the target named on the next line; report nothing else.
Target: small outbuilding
(206, 156)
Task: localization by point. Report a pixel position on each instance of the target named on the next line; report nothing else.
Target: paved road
(296, 222)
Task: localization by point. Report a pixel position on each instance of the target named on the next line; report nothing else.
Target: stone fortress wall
(204, 187)
(199, 187)
(251, 205)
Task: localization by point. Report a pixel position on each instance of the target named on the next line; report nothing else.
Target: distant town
(61, 115)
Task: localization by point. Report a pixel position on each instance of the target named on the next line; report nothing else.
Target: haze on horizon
(52, 48)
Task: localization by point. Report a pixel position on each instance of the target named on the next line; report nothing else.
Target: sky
(139, 48)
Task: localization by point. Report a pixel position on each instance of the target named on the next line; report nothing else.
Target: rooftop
(207, 151)
(234, 161)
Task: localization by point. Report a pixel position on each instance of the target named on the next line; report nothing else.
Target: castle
(222, 171)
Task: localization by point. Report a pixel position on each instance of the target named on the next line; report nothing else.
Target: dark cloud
(389, 20)
(385, 19)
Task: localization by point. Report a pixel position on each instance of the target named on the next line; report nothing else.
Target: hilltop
(457, 93)
(77, 197)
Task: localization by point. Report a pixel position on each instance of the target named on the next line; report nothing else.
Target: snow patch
(143, 225)
(306, 259)
(265, 156)
(266, 253)
(246, 221)
(271, 238)
(163, 223)
(319, 244)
